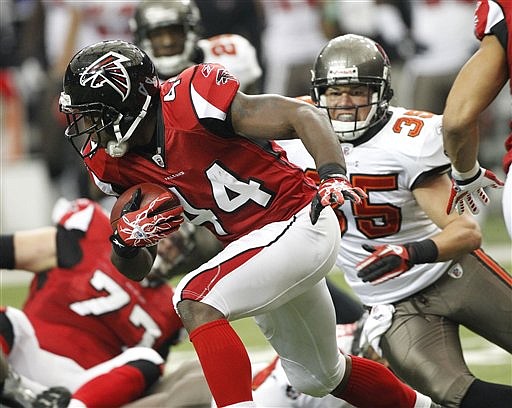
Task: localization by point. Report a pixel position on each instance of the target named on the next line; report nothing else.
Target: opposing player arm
(476, 86)
(460, 233)
(33, 250)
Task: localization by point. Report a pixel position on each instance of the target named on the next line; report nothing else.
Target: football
(149, 192)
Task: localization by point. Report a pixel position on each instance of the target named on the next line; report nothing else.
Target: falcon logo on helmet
(223, 76)
(108, 69)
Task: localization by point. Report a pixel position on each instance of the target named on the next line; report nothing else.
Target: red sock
(113, 389)
(4, 345)
(371, 385)
(226, 365)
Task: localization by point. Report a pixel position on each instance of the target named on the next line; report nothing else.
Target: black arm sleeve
(69, 252)
(7, 258)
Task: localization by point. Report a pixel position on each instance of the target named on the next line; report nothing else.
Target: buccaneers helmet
(108, 87)
(353, 60)
(152, 15)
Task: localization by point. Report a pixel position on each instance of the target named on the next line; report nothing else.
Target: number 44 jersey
(226, 182)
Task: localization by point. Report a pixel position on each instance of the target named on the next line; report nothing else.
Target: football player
(211, 144)
(169, 33)
(84, 325)
(420, 270)
(487, 71)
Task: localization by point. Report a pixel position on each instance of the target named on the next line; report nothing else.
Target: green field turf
(485, 360)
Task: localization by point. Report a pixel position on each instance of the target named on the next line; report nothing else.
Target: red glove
(333, 191)
(466, 189)
(385, 262)
(142, 227)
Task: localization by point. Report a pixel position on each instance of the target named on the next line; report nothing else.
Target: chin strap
(120, 147)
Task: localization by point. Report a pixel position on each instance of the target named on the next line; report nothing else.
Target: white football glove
(468, 187)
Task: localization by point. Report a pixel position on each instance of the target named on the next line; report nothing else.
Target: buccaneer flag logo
(108, 69)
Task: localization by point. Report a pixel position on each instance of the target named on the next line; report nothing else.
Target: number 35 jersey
(387, 167)
(408, 149)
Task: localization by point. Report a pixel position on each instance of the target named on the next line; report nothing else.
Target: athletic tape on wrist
(331, 169)
(467, 176)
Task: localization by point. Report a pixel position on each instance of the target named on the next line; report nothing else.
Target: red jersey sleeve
(209, 90)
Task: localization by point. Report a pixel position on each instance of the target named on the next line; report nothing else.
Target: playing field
(486, 361)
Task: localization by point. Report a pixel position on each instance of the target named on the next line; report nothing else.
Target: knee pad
(317, 384)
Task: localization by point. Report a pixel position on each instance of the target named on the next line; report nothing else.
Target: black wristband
(121, 249)
(328, 170)
(422, 252)
(7, 259)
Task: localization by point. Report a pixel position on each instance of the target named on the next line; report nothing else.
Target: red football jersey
(90, 312)
(225, 182)
(495, 18)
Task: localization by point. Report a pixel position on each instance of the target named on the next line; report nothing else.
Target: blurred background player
(291, 37)
(84, 325)
(170, 32)
(426, 272)
(488, 70)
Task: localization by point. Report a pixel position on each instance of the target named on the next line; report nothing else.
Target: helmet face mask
(352, 62)
(84, 122)
(178, 20)
(109, 87)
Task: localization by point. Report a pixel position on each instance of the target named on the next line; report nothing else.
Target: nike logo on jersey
(108, 70)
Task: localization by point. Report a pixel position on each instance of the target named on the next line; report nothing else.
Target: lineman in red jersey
(84, 325)
(211, 145)
(478, 83)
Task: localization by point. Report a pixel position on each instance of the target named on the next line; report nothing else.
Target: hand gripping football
(149, 192)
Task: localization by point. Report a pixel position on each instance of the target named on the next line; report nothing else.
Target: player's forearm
(458, 238)
(33, 250)
(135, 268)
(476, 86)
(461, 144)
(316, 133)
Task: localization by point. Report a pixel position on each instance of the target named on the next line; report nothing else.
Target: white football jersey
(387, 167)
(236, 54)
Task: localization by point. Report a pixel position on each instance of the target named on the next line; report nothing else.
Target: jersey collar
(159, 153)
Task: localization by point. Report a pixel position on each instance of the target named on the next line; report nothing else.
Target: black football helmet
(182, 14)
(108, 87)
(353, 60)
